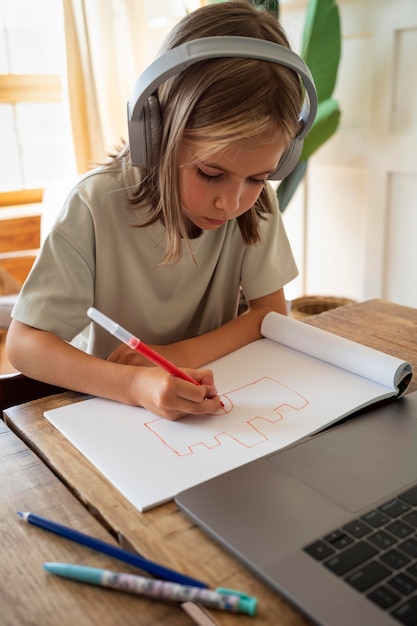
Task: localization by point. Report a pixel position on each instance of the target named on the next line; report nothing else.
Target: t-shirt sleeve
(269, 265)
(60, 286)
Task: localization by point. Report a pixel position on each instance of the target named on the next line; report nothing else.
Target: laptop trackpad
(358, 462)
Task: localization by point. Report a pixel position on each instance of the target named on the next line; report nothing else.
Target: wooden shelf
(20, 237)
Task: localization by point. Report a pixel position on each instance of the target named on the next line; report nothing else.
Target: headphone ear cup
(152, 130)
(288, 161)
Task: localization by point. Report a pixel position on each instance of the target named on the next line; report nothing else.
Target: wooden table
(27, 594)
(163, 534)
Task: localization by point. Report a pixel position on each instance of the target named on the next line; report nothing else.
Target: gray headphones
(144, 118)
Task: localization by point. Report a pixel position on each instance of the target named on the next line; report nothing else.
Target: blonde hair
(215, 103)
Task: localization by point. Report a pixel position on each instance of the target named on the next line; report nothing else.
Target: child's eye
(257, 181)
(212, 178)
(207, 177)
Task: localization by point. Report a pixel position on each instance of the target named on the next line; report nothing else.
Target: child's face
(226, 184)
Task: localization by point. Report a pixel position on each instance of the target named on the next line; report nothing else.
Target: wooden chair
(16, 388)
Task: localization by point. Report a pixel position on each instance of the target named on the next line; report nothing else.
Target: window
(34, 118)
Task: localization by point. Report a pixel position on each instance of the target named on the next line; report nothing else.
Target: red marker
(136, 344)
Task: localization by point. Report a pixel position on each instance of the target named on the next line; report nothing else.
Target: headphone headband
(172, 62)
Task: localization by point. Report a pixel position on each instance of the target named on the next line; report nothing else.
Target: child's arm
(44, 356)
(205, 348)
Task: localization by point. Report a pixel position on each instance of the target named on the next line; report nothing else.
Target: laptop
(329, 523)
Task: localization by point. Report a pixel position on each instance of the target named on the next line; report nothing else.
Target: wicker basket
(312, 305)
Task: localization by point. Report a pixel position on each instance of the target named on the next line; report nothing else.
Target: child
(164, 249)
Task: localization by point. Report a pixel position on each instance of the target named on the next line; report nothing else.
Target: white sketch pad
(273, 397)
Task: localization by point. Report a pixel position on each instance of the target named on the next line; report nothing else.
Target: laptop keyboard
(377, 555)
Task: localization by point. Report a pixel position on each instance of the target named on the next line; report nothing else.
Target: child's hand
(124, 354)
(172, 397)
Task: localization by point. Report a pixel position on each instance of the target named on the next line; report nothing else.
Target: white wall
(353, 224)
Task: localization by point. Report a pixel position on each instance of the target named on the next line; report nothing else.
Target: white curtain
(109, 42)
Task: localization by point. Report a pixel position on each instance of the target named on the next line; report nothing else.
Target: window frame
(17, 88)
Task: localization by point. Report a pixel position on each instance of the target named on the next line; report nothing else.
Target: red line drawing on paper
(248, 408)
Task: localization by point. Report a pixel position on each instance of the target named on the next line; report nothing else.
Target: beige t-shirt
(94, 256)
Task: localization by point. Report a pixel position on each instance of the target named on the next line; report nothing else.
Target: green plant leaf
(325, 125)
(321, 44)
(288, 186)
(321, 50)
